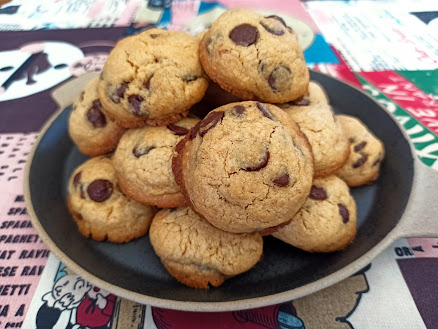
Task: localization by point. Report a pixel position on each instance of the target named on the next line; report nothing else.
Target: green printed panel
(427, 81)
(425, 142)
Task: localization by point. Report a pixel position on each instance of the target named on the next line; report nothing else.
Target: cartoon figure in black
(74, 303)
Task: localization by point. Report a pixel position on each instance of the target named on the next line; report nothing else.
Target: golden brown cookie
(330, 146)
(143, 163)
(245, 167)
(99, 207)
(367, 152)
(198, 254)
(89, 128)
(327, 220)
(254, 57)
(153, 78)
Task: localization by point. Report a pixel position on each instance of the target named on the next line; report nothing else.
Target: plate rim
(234, 305)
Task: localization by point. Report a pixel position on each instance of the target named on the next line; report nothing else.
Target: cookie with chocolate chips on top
(198, 254)
(92, 132)
(153, 78)
(254, 57)
(245, 167)
(367, 153)
(143, 163)
(327, 220)
(100, 209)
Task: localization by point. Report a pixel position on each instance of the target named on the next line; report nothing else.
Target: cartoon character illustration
(74, 303)
(35, 67)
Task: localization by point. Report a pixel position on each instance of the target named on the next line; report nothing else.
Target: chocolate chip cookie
(254, 57)
(327, 220)
(330, 146)
(367, 153)
(198, 254)
(143, 163)
(314, 95)
(245, 167)
(99, 207)
(153, 78)
(89, 128)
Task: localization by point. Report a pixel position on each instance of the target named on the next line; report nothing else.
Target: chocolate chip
(317, 193)
(135, 101)
(148, 82)
(344, 213)
(100, 190)
(280, 78)
(238, 110)
(153, 35)
(261, 165)
(120, 92)
(282, 181)
(377, 161)
(77, 179)
(351, 139)
(361, 161)
(263, 108)
(210, 121)
(278, 19)
(360, 146)
(177, 130)
(138, 151)
(300, 102)
(95, 115)
(244, 35)
(190, 78)
(272, 30)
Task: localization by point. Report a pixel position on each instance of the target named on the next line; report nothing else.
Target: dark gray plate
(134, 271)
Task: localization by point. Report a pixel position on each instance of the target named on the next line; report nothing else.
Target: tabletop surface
(387, 48)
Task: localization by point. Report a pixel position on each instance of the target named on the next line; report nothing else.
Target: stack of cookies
(269, 156)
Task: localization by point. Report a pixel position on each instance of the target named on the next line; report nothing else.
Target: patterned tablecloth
(390, 49)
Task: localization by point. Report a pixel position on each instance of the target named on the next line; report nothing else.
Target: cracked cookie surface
(327, 220)
(330, 146)
(367, 153)
(245, 167)
(143, 163)
(254, 57)
(152, 78)
(92, 132)
(198, 254)
(99, 207)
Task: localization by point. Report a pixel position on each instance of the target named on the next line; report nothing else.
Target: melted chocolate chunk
(190, 78)
(135, 101)
(351, 139)
(361, 161)
(271, 30)
(148, 82)
(278, 19)
(177, 130)
(261, 165)
(359, 146)
(282, 181)
(244, 35)
(154, 35)
(238, 110)
(100, 190)
(138, 151)
(263, 108)
(317, 193)
(344, 213)
(209, 122)
(278, 77)
(120, 93)
(95, 115)
(300, 102)
(77, 179)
